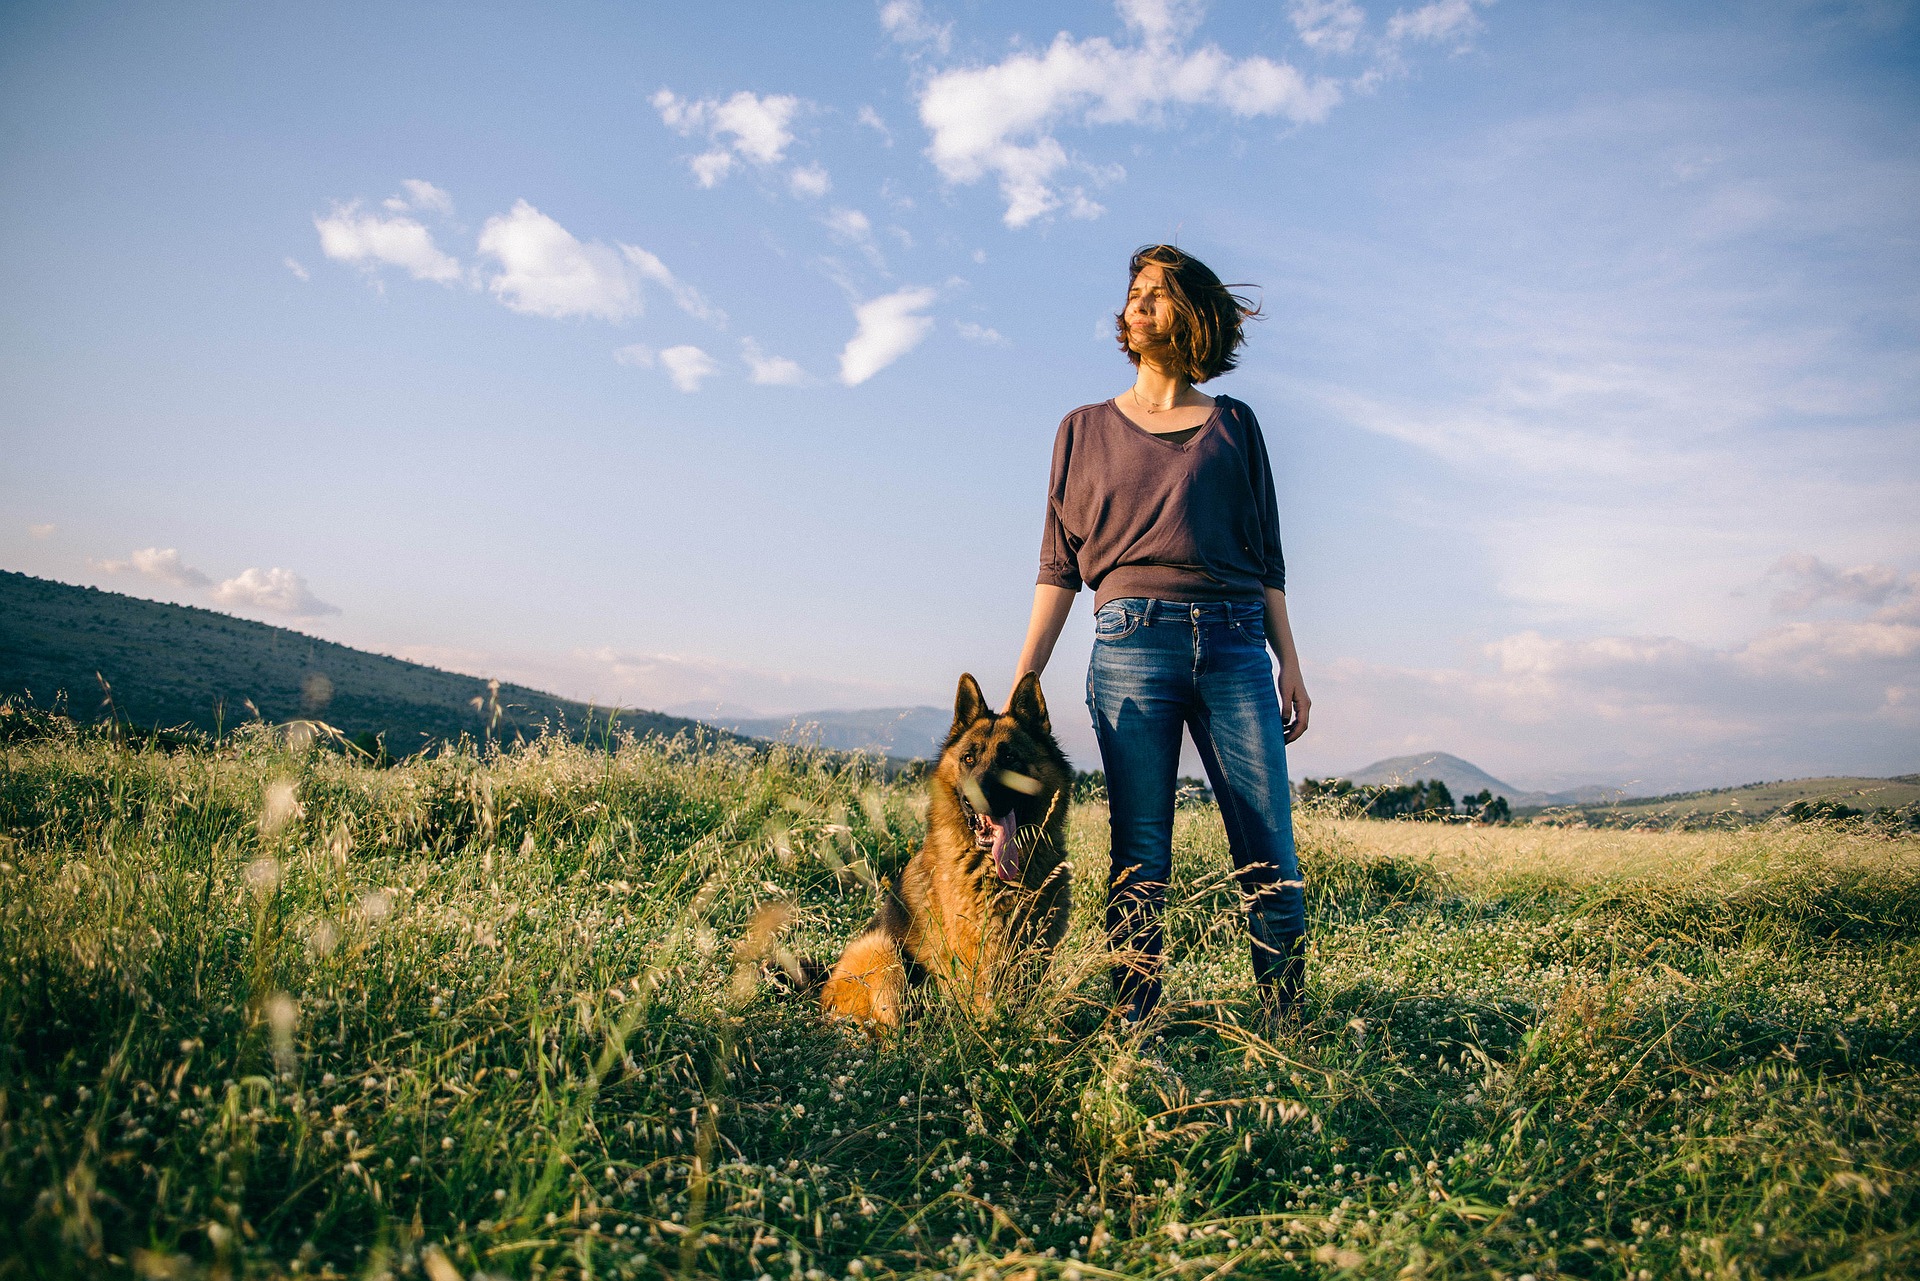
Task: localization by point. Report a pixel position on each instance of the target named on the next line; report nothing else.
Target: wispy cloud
(1327, 26)
(1440, 22)
(852, 227)
(422, 196)
(871, 119)
(41, 531)
(688, 367)
(908, 23)
(684, 296)
(810, 181)
(1000, 119)
(849, 224)
(981, 334)
(746, 127)
(610, 676)
(771, 371)
(889, 327)
(635, 678)
(1815, 582)
(294, 265)
(162, 564)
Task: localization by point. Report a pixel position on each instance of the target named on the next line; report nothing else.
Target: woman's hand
(1293, 703)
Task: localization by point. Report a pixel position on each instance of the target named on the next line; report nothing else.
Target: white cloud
(907, 22)
(160, 563)
(278, 591)
(1161, 21)
(685, 296)
(1439, 21)
(688, 367)
(41, 531)
(745, 126)
(546, 271)
(709, 167)
(979, 333)
(1817, 582)
(871, 119)
(293, 265)
(810, 182)
(849, 224)
(1655, 712)
(369, 241)
(1327, 26)
(275, 591)
(421, 196)
(999, 119)
(771, 371)
(890, 326)
(855, 228)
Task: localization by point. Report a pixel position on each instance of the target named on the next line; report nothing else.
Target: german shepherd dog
(990, 882)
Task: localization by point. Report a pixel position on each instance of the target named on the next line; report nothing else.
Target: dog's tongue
(1006, 854)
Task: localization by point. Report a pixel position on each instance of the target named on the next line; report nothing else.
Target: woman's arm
(1293, 691)
(1050, 608)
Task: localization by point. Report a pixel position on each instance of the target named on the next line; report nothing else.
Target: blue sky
(674, 357)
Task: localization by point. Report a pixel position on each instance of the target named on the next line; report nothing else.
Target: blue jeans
(1158, 667)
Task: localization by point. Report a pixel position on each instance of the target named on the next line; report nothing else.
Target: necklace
(1148, 405)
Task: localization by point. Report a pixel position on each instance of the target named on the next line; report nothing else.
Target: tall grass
(269, 1012)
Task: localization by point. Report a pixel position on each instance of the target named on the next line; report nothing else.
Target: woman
(1162, 501)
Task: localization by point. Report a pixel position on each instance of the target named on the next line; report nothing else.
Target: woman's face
(1149, 313)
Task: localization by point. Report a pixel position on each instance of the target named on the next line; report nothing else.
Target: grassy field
(1730, 806)
(267, 1012)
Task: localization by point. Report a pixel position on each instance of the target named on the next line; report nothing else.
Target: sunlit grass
(266, 1012)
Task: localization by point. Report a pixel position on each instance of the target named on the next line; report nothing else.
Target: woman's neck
(1156, 389)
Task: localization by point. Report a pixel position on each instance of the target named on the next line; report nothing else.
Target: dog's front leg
(869, 985)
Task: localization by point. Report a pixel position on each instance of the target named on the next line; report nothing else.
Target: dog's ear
(1028, 705)
(969, 705)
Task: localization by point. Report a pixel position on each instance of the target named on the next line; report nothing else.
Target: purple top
(1133, 514)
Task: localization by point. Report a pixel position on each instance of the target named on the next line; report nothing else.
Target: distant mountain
(904, 732)
(174, 665)
(1464, 778)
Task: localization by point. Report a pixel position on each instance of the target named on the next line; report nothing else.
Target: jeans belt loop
(1146, 615)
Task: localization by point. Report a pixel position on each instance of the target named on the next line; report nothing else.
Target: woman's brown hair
(1206, 316)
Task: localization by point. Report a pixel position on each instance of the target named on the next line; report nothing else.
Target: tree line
(1427, 799)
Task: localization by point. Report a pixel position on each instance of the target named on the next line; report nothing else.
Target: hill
(1757, 801)
(905, 732)
(171, 665)
(1464, 778)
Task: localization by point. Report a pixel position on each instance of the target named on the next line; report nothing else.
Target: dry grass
(267, 1012)
(1480, 855)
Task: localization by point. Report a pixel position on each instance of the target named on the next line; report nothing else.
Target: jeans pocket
(1114, 622)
